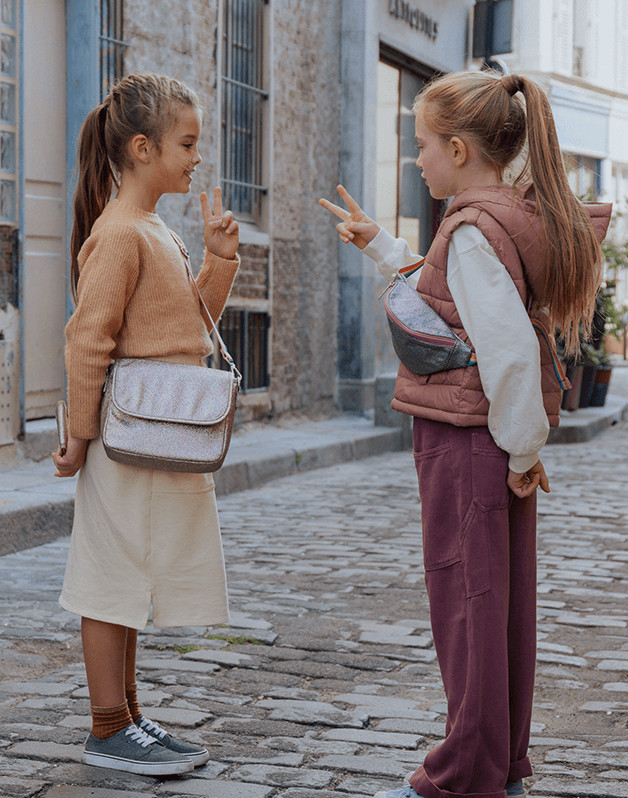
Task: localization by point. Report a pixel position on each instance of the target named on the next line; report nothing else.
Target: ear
(140, 148)
(459, 150)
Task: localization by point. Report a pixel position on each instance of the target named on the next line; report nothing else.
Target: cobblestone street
(326, 680)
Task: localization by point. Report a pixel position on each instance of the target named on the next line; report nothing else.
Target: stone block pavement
(36, 507)
(325, 681)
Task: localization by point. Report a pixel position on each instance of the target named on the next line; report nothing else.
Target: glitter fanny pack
(424, 343)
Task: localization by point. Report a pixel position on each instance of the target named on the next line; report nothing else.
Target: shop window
(112, 44)
(584, 175)
(243, 98)
(245, 333)
(9, 158)
(404, 206)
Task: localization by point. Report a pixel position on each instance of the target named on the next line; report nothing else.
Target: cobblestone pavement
(326, 683)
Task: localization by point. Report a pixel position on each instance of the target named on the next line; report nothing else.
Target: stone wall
(292, 272)
(306, 112)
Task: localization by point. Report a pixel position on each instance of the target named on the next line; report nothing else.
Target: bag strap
(408, 271)
(222, 346)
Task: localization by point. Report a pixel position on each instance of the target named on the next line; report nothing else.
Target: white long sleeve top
(509, 363)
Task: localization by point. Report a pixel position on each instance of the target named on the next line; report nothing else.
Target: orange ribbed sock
(131, 699)
(107, 721)
(130, 687)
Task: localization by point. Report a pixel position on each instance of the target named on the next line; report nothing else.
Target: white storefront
(578, 49)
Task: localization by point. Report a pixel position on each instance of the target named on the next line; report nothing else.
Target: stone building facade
(335, 88)
(287, 288)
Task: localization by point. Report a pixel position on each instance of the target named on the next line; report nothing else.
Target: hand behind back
(523, 485)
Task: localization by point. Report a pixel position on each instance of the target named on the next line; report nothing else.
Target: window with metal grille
(9, 115)
(245, 333)
(112, 44)
(242, 105)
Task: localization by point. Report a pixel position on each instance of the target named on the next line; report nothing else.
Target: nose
(197, 159)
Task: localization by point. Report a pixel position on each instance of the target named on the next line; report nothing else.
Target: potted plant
(601, 381)
(590, 362)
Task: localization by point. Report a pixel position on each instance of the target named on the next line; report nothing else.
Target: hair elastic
(512, 83)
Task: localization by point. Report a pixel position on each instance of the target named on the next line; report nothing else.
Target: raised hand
(221, 229)
(355, 227)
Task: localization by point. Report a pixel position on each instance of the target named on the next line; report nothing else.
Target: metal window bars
(242, 106)
(112, 44)
(245, 333)
(9, 113)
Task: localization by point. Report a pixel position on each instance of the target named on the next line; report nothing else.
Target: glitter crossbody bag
(170, 416)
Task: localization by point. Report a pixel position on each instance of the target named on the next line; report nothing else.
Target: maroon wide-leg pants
(479, 548)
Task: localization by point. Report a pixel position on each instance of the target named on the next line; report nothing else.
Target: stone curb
(42, 511)
(586, 422)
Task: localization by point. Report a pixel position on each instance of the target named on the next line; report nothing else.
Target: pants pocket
(483, 529)
(489, 471)
(439, 511)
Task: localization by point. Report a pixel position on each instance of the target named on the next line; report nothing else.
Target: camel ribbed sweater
(134, 300)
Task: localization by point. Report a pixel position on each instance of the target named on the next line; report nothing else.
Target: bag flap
(171, 392)
(406, 305)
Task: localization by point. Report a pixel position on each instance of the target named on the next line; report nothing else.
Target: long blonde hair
(487, 109)
(142, 103)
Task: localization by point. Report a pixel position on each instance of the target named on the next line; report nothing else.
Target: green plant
(186, 649)
(233, 640)
(615, 255)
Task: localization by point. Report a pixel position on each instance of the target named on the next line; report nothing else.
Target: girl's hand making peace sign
(221, 229)
(355, 225)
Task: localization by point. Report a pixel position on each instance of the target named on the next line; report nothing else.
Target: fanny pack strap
(222, 346)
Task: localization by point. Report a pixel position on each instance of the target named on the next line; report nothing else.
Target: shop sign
(413, 16)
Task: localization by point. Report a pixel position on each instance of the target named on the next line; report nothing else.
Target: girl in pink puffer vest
(500, 252)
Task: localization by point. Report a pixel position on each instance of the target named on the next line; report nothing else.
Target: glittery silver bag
(170, 416)
(424, 343)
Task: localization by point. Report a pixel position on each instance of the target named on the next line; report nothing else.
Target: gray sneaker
(195, 753)
(403, 792)
(136, 752)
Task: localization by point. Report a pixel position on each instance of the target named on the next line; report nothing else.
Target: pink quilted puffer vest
(507, 218)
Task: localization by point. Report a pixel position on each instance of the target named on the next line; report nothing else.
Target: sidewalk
(36, 507)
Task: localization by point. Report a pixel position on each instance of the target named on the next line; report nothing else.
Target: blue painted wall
(83, 88)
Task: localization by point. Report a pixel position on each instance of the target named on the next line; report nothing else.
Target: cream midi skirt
(142, 536)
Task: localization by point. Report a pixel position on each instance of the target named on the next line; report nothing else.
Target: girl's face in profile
(178, 156)
(435, 160)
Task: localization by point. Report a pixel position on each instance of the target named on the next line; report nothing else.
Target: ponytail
(94, 185)
(574, 271)
(487, 109)
(142, 103)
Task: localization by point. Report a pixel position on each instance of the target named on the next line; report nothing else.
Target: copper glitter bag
(170, 416)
